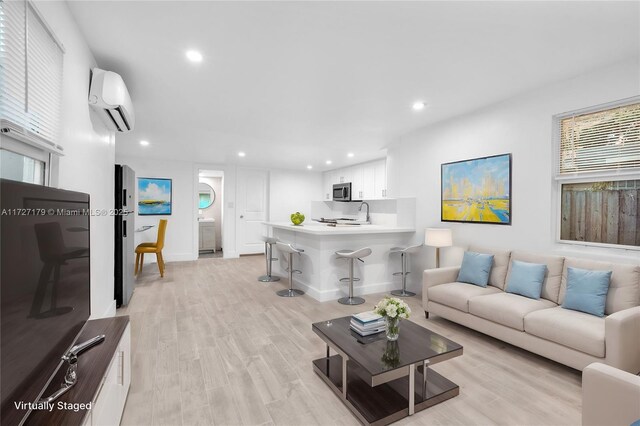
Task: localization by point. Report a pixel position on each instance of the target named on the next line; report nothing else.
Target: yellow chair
(152, 248)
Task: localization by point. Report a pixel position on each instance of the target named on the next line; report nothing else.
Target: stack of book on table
(367, 323)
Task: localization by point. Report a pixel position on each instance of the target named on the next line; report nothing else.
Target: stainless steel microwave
(342, 191)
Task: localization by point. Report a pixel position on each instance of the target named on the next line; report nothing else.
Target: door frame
(229, 212)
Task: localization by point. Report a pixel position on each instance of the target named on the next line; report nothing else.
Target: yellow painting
(477, 190)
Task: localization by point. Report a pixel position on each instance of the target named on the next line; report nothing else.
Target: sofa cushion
(624, 289)
(576, 330)
(456, 295)
(551, 284)
(526, 278)
(500, 265)
(475, 268)
(506, 308)
(587, 290)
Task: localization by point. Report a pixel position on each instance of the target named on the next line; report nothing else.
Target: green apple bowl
(297, 218)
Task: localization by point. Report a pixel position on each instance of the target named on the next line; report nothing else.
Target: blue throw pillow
(587, 290)
(475, 268)
(526, 279)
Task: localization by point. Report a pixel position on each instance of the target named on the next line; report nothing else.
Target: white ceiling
(297, 83)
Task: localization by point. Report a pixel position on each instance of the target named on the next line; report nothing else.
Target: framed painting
(477, 190)
(154, 196)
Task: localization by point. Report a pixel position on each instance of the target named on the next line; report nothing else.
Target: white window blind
(600, 142)
(13, 87)
(32, 59)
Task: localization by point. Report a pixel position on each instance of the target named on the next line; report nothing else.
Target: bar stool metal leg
(268, 250)
(290, 292)
(403, 292)
(351, 300)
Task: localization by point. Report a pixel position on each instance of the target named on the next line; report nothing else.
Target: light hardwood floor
(212, 345)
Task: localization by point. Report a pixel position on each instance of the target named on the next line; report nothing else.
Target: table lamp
(438, 237)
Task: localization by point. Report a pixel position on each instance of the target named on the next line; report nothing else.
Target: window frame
(588, 177)
(49, 159)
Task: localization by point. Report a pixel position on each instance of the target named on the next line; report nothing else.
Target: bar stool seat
(352, 255)
(405, 270)
(268, 254)
(289, 250)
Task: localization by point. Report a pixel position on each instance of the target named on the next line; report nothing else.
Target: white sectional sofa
(542, 326)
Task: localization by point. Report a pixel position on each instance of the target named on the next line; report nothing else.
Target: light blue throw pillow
(475, 268)
(587, 290)
(526, 279)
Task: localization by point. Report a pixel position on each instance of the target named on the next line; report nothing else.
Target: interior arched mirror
(206, 196)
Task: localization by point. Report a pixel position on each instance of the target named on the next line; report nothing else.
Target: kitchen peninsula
(320, 267)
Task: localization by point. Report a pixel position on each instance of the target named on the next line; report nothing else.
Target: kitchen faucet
(364, 203)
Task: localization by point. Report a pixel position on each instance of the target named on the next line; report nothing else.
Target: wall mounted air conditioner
(109, 96)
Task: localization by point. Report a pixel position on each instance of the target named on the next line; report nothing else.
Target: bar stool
(290, 251)
(352, 256)
(268, 254)
(403, 257)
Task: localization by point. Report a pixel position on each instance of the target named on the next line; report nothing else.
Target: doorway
(210, 213)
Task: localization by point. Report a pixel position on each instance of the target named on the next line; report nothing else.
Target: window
(31, 61)
(19, 167)
(598, 175)
(24, 163)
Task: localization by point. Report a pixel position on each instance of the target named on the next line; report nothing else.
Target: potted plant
(392, 310)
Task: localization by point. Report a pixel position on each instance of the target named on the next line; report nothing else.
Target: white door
(251, 206)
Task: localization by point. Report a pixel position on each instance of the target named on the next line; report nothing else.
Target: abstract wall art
(477, 190)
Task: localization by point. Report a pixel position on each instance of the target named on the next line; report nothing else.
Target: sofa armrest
(622, 339)
(433, 277)
(609, 396)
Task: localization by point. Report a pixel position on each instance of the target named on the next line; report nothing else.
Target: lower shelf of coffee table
(386, 403)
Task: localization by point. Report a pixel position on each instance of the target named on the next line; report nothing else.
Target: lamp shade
(438, 237)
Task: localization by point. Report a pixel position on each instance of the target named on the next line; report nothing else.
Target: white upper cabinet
(357, 182)
(380, 179)
(328, 179)
(368, 177)
(368, 180)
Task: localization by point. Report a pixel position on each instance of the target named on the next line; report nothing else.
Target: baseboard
(174, 257)
(335, 294)
(230, 254)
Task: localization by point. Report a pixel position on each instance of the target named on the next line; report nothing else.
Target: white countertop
(316, 228)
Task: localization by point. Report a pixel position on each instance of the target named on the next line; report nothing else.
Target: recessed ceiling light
(350, 154)
(328, 162)
(309, 166)
(418, 106)
(194, 56)
(241, 154)
(144, 143)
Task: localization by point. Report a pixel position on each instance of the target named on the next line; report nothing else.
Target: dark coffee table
(381, 381)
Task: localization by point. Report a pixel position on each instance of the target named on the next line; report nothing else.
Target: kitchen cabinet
(328, 179)
(368, 177)
(207, 234)
(357, 182)
(368, 180)
(380, 179)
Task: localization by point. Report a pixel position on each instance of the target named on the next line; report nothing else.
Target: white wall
(521, 126)
(180, 222)
(88, 163)
(289, 191)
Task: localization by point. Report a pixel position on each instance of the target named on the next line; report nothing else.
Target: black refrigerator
(124, 279)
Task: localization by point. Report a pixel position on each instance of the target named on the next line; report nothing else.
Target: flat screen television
(44, 289)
